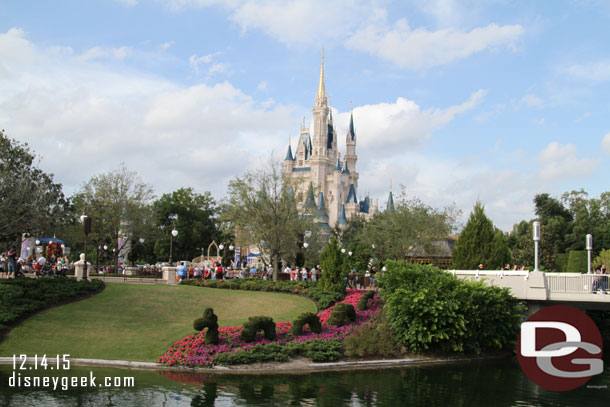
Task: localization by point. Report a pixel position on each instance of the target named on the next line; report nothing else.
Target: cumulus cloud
(420, 48)
(84, 117)
(392, 128)
(558, 162)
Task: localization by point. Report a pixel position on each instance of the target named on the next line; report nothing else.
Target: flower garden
(192, 351)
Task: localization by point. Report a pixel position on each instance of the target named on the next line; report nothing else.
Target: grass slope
(139, 322)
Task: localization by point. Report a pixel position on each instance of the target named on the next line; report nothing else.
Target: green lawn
(139, 322)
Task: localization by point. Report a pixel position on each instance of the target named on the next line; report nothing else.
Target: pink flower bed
(192, 351)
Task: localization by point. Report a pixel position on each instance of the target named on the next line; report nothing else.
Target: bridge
(539, 289)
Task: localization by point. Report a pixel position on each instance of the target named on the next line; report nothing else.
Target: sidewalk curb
(261, 368)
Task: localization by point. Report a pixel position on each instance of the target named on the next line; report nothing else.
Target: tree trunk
(275, 267)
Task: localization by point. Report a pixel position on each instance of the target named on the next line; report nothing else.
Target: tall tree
(196, 222)
(31, 201)
(394, 233)
(112, 197)
(480, 243)
(262, 206)
(334, 267)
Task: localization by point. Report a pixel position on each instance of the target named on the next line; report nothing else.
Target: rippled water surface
(489, 383)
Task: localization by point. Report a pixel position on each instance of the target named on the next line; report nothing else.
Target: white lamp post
(171, 242)
(589, 245)
(536, 238)
(306, 245)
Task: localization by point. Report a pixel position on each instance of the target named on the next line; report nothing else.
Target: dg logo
(560, 348)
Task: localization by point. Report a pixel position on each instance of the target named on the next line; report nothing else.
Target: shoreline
(296, 366)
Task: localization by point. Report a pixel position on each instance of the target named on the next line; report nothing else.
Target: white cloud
(102, 52)
(420, 48)
(262, 86)
(531, 100)
(393, 128)
(598, 71)
(558, 162)
(90, 116)
(606, 144)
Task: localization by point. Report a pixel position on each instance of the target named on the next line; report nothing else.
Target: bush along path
(192, 351)
(22, 297)
(311, 290)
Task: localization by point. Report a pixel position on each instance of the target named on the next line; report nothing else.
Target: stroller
(18, 272)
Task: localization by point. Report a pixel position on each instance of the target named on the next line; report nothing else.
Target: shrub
(24, 296)
(372, 339)
(210, 321)
(342, 314)
(577, 261)
(255, 324)
(317, 350)
(308, 318)
(364, 300)
(429, 309)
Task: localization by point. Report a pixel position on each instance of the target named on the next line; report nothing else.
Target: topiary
(342, 314)
(307, 318)
(364, 300)
(210, 321)
(255, 324)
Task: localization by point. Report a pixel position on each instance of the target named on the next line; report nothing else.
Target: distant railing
(495, 273)
(577, 283)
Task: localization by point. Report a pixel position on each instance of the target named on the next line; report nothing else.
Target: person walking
(11, 257)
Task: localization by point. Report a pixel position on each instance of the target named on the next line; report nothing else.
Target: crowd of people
(16, 266)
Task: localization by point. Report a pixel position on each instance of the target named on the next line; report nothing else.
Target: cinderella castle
(325, 184)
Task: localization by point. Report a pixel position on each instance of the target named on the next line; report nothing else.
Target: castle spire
(351, 133)
(321, 95)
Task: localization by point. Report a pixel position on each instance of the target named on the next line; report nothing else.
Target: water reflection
(491, 383)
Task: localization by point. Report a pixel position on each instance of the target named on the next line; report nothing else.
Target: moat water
(483, 383)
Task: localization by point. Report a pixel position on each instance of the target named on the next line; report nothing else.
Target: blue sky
(454, 100)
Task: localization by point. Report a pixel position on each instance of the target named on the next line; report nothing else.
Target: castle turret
(320, 118)
(289, 160)
(342, 221)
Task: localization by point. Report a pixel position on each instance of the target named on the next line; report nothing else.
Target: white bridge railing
(577, 283)
(540, 286)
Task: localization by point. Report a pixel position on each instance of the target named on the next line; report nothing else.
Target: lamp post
(536, 238)
(173, 234)
(589, 244)
(86, 220)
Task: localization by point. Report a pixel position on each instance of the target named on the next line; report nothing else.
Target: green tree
(196, 220)
(31, 201)
(334, 267)
(263, 210)
(109, 198)
(555, 225)
(412, 225)
(480, 243)
(521, 244)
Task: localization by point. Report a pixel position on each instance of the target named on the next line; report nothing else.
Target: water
(489, 383)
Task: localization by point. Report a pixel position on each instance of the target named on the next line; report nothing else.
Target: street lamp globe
(350, 253)
(384, 268)
(37, 242)
(221, 247)
(231, 247)
(306, 245)
(105, 247)
(373, 245)
(142, 240)
(174, 233)
(343, 251)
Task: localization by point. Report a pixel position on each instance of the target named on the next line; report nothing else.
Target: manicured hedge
(342, 314)
(210, 321)
(23, 296)
(308, 318)
(316, 350)
(364, 300)
(324, 299)
(255, 324)
(430, 309)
